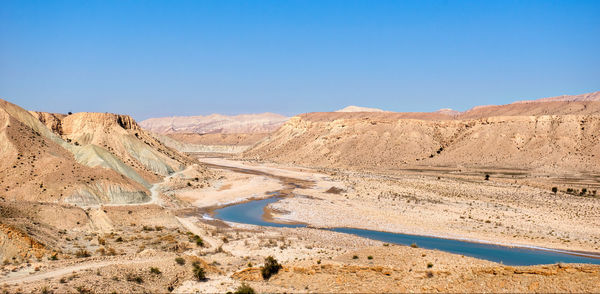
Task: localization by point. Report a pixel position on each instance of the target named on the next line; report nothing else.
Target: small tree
(487, 177)
(270, 268)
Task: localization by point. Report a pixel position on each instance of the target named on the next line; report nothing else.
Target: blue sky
(162, 58)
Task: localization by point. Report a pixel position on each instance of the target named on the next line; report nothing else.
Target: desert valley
(499, 198)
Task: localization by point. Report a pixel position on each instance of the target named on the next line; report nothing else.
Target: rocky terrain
(51, 162)
(92, 202)
(554, 137)
(211, 143)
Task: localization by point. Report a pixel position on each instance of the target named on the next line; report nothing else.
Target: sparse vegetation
(81, 253)
(244, 289)
(180, 261)
(355, 257)
(414, 245)
(199, 272)
(134, 278)
(155, 270)
(370, 257)
(270, 268)
(554, 190)
(429, 265)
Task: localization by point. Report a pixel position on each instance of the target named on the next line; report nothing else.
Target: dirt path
(55, 273)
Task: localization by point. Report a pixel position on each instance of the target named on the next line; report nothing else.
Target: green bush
(270, 268)
(244, 289)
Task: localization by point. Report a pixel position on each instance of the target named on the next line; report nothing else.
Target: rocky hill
(84, 158)
(553, 136)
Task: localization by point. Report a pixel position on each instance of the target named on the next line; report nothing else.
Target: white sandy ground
(233, 187)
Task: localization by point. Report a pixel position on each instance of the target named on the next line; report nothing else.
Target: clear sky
(161, 58)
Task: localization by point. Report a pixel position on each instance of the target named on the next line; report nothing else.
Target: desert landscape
(96, 203)
(299, 146)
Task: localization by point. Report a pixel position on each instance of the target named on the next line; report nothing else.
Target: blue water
(252, 213)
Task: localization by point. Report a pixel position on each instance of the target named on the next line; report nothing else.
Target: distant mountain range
(216, 123)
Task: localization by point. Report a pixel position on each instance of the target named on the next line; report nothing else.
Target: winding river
(252, 212)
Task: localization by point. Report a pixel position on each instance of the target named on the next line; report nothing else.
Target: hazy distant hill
(216, 123)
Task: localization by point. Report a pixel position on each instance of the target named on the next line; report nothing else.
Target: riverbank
(486, 211)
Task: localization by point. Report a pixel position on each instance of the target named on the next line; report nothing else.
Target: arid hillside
(543, 136)
(124, 138)
(41, 166)
(84, 158)
(215, 123)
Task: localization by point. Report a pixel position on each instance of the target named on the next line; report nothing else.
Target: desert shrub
(136, 279)
(180, 261)
(81, 253)
(414, 245)
(554, 190)
(101, 241)
(369, 257)
(270, 268)
(487, 177)
(429, 265)
(199, 272)
(111, 251)
(82, 290)
(244, 289)
(119, 239)
(155, 270)
(355, 257)
(196, 239)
